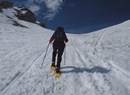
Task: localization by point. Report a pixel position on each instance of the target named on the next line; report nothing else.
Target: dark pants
(58, 48)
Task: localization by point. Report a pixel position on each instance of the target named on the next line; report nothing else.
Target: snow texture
(97, 63)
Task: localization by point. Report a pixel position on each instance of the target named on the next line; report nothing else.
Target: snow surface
(97, 63)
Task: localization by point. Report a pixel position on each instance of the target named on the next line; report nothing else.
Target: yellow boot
(53, 67)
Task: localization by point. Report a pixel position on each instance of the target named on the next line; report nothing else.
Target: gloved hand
(66, 40)
(50, 40)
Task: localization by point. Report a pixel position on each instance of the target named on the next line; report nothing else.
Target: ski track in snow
(16, 77)
(86, 69)
(94, 84)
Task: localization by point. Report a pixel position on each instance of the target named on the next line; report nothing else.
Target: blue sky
(78, 16)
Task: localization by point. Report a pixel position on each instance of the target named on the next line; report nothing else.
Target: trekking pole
(45, 54)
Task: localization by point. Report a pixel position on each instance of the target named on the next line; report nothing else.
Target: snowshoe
(57, 72)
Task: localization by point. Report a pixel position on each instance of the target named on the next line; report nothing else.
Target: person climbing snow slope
(59, 39)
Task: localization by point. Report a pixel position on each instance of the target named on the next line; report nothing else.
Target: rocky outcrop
(41, 24)
(21, 13)
(5, 4)
(25, 14)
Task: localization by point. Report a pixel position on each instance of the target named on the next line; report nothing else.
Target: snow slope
(97, 63)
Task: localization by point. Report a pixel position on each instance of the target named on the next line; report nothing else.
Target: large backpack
(59, 35)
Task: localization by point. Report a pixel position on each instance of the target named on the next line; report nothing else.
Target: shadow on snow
(72, 69)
